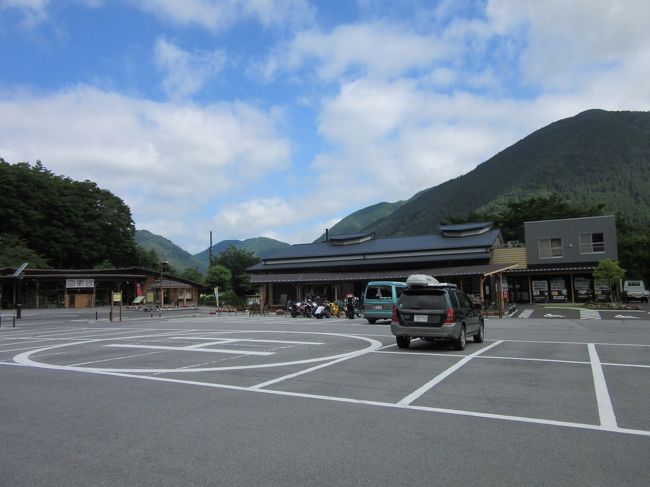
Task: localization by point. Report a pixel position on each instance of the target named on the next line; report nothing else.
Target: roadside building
(345, 263)
(555, 264)
(87, 288)
(561, 256)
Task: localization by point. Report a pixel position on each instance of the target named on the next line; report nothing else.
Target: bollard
(96, 315)
(14, 322)
(0, 321)
(19, 310)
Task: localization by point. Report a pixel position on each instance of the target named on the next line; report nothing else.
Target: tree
(511, 217)
(609, 270)
(219, 276)
(237, 261)
(192, 274)
(14, 252)
(633, 248)
(70, 223)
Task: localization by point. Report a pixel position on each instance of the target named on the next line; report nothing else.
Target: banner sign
(78, 283)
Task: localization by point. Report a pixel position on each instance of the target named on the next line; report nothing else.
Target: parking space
(576, 384)
(637, 311)
(239, 400)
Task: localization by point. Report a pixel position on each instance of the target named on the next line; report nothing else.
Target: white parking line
(234, 340)
(605, 408)
(457, 412)
(440, 377)
(525, 313)
(589, 314)
(193, 348)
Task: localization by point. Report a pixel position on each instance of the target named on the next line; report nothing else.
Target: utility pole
(210, 251)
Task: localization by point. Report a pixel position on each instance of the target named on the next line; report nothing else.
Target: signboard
(540, 291)
(117, 297)
(149, 296)
(558, 289)
(79, 283)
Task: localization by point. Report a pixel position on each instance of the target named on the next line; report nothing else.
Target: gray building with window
(561, 256)
(573, 240)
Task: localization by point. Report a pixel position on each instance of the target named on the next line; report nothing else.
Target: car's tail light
(451, 316)
(395, 316)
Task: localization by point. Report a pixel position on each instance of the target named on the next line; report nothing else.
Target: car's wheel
(372, 321)
(480, 336)
(402, 341)
(459, 343)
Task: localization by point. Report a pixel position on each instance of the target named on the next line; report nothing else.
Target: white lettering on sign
(76, 283)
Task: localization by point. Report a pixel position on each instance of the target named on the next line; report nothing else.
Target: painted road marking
(26, 357)
(589, 314)
(607, 423)
(192, 348)
(456, 412)
(621, 317)
(526, 313)
(605, 408)
(549, 315)
(440, 377)
(235, 340)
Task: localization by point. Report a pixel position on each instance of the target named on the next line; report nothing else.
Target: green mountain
(358, 220)
(259, 246)
(177, 257)
(180, 259)
(594, 157)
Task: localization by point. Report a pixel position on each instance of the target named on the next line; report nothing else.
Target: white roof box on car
(420, 280)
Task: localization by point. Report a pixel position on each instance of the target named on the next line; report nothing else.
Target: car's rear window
(423, 299)
(379, 292)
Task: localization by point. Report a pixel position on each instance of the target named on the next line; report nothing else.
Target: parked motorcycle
(299, 308)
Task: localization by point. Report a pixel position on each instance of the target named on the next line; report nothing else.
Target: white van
(635, 289)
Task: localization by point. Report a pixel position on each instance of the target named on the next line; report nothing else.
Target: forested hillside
(179, 258)
(166, 250)
(595, 157)
(358, 220)
(259, 246)
(60, 222)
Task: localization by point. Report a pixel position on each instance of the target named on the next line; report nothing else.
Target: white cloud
(377, 49)
(571, 42)
(254, 217)
(219, 14)
(166, 161)
(34, 12)
(185, 72)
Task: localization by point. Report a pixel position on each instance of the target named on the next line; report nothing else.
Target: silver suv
(430, 310)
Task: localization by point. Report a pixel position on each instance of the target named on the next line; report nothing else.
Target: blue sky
(278, 118)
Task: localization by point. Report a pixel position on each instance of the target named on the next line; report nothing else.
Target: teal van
(379, 299)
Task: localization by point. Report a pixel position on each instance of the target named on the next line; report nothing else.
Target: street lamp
(162, 291)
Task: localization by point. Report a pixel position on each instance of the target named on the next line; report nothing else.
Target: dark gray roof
(386, 245)
(399, 274)
(363, 262)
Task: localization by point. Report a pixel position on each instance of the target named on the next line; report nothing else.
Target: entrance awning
(440, 272)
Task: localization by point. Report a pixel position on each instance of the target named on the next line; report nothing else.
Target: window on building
(550, 248)
(592, 243)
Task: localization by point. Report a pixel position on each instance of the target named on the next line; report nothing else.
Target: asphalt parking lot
(195, 399)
